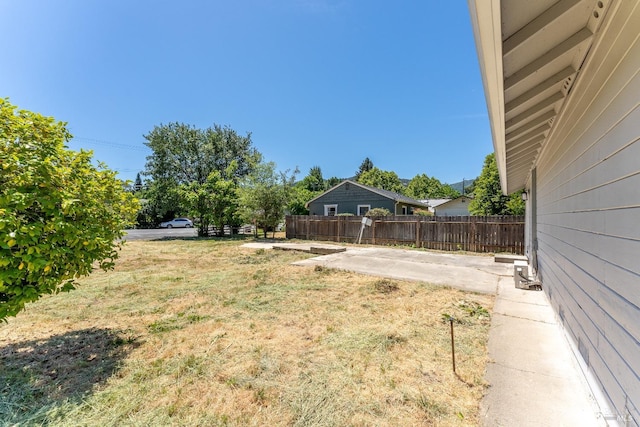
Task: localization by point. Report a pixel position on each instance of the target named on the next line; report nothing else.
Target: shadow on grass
(235, 237)
(37, 374)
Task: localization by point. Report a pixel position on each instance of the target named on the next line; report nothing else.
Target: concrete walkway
(534, 377)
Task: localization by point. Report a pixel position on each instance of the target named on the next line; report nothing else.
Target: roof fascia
(487, 31)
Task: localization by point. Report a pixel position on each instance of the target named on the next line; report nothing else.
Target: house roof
(530, 55)
(434, 202)
(452, 201)
(396, 197)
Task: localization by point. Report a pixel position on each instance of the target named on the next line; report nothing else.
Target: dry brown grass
(208, 333)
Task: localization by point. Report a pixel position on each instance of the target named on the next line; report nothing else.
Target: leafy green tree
(213, 202)
(365, 166)
(59, 214)
(488, 198)
(469, 189)
(446, 192)
(515, 204)
(425, 187)
(299, 198)
(385, 180)
(183, 155)
(161, 202)
(309, 187)
(264, 195)
(314, 181)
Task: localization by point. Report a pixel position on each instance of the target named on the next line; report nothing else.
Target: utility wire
(93, 141)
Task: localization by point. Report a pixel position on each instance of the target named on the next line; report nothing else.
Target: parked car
(177, 223)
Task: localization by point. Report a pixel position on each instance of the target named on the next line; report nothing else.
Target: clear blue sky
(316, 82)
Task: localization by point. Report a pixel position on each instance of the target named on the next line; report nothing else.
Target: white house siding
(588, 211)
(455, 207)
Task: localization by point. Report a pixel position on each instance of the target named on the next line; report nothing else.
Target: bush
(58, 212)
(422, 212)
(378, 212)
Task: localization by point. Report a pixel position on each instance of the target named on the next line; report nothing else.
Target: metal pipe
(453, 347)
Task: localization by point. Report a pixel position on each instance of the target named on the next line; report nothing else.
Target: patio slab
(467, 272)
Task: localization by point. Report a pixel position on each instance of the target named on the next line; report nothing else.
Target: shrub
(379, 212)
(58, 212)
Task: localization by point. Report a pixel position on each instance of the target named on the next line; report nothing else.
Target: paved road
(161, 233)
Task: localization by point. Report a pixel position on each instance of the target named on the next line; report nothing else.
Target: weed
(315, 402)
(322, 269)
(467, 312)
(228, 302)
(260, 396)
(165, 325)
(473, 309)
(195, 318)
(385, 286)
(433, 409)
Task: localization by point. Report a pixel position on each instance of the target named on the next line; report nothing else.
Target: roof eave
(487, 30)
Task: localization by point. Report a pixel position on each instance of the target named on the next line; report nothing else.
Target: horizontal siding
(590, 323)
(348, 197)
(588, 211)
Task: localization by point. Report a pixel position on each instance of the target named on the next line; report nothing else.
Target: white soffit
(542, 45)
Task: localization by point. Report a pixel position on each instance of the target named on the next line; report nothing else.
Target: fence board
(466, 233)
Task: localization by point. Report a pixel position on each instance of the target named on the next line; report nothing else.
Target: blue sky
(316, 82)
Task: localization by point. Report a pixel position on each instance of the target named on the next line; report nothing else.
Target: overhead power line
(93, 141)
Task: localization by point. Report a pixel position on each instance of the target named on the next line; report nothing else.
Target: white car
(177, 223)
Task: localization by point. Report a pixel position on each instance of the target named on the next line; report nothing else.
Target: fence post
(417, 232)
(373, 232)
(307, 221)
(472, 231)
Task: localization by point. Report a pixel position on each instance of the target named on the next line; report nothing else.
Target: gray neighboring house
(562, 83)
(355, 198)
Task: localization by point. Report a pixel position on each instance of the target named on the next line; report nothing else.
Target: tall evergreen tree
(314, 181)
(365, 166)
(137, 186)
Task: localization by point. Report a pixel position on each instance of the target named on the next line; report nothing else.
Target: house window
(404, 210)
(330, 210)
(363, 209)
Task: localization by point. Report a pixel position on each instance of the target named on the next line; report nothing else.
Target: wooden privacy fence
(449, 233)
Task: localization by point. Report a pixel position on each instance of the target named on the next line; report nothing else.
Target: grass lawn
(207, 333)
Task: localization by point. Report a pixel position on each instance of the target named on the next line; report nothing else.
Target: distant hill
(462, 184)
